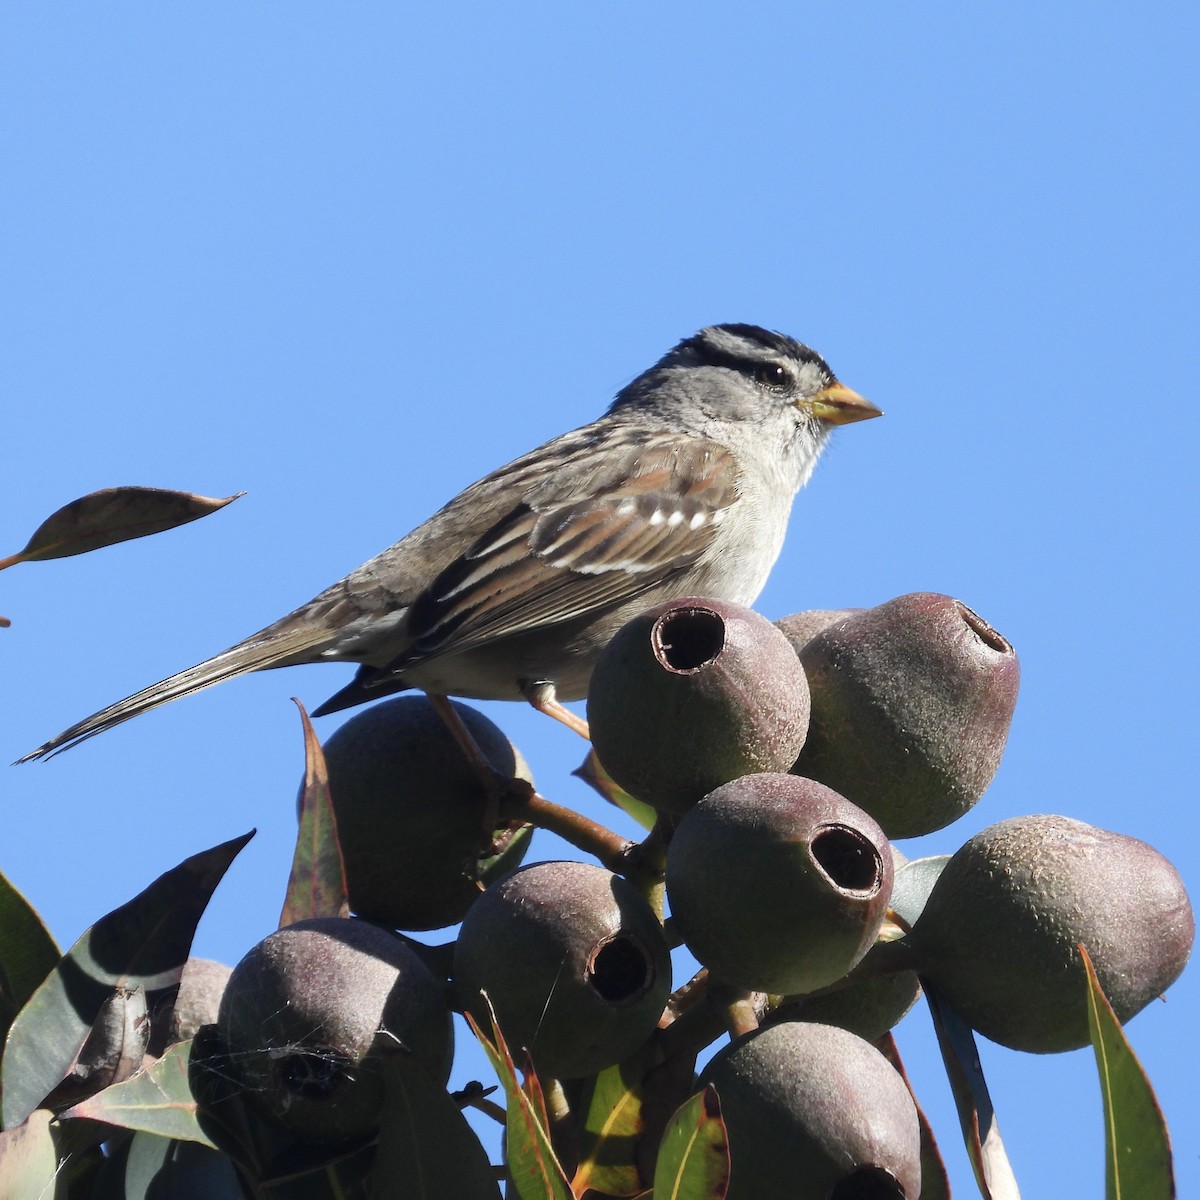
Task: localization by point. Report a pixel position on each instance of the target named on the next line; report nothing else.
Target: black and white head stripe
(742, 348)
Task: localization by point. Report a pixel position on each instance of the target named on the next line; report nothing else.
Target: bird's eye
(773, 375)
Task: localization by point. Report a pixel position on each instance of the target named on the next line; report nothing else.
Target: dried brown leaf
(113, 515)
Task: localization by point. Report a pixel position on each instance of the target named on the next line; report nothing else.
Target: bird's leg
(462, 735)
(495, 786)
(541, 695)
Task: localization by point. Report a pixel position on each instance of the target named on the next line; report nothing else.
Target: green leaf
(693, 1160)
(144, 943)
(27, 953)
(317, 884)
(613, 1125)
(110, 516)
(593, 774)
(426, 1151)
(981, 1133)
(28, 1159)
(148, 1167)
(913, 883)
(156, 1100)
(534, 1170)
(1138, 1163)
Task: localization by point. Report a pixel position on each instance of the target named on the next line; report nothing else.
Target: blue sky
(349, 258)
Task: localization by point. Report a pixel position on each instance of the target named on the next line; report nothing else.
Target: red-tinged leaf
(110, 516)
(157, 1100)
(532, 1087)
(593, 774)
(425, 1141)
(693, 1160)
(29, 1159)
(317, 885)
(613, 1125)
(1138, 1163)
(27, 953)
(981, 1132)
(534, 1171)
(144, 943)
(935, 1183)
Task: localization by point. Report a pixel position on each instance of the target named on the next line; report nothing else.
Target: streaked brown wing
(557, 556)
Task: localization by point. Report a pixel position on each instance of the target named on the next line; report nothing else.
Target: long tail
(278, 645)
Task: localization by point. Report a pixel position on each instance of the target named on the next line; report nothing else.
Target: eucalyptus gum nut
(814, 1112)
(867, 1007)
(197, 1002)
(694, 693)
(911, 706)
(573, 960)
(800, 628)
(998, 935)
(777, 883)
(410, 812)
(307, 1016)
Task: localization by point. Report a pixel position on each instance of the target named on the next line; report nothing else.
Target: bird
(684, 487)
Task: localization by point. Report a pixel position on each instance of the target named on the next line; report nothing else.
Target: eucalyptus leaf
(981, 1132)
(156, 1100)
(113, 515)
(426, 1150)
(149, 1167)
(693, 1160)
(593, 773)
(533, 1167)
(613, 1125)
(117, 1042)
(27, 952)
(144, 943)
(913, 883)
(317, 884)
(29, 1159)
(1138, 1164)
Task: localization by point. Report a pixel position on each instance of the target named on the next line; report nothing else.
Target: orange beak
(840, 405)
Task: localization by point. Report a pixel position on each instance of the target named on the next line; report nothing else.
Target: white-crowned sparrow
(511, 590)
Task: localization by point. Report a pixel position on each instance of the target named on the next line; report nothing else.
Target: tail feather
(273, 647)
